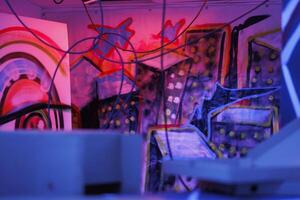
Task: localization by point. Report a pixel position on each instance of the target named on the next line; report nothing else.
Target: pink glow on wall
(22, 7)
(26, 69)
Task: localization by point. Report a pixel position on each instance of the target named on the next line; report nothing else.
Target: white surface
(58, 33)
(273, 165)
(184, 144)
(62, 163)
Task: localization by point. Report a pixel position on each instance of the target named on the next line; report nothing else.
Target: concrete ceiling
(73, 5)
(46, 4)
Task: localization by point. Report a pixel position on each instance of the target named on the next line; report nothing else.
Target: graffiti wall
(290, 107)
(27, 66)
(218, 83)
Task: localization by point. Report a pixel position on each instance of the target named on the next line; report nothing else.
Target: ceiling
(70, 4)
(74, 4)
(77, 3)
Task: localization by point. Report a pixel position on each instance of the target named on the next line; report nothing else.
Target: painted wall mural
(26, 69)
(215, 96)
(290, 107)
(218, 89)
